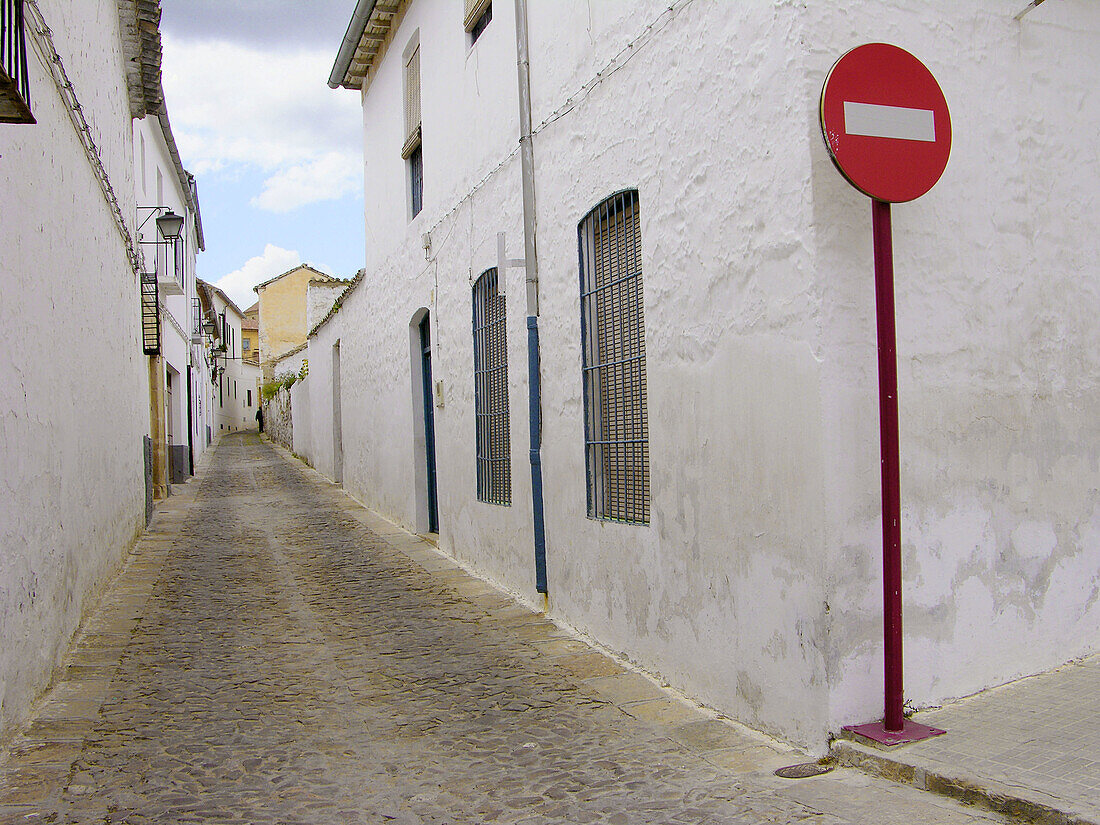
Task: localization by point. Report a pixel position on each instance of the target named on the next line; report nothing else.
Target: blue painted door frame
(429, 422)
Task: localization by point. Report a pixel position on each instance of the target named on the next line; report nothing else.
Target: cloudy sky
(277, 154)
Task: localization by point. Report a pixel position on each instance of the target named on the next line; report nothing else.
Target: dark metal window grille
(494, 463)
(15, 87)
(150, 314)
(416, 180)
(616, 423)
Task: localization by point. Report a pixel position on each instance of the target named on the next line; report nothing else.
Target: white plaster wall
(291, 365)
(996, 300)
(177, 317)
(71, 427)
(469, 128)
(320, 395)
(756, 586)
(319, 300)
(722, 592)
(232, 411)
(301, 423)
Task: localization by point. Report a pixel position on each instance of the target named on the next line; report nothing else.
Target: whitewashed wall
(320, 297)
(756, 588)
(300, 418)
(291, 364)
(469, 125)
(71, 425)
(158, 185)
(320, 400)
(997, 295)
(232, 411)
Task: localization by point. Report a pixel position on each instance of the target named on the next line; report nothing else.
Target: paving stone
(273, 654)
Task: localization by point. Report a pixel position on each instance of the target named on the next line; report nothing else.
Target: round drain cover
(803, 771)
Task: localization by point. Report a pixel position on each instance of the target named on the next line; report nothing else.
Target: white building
(696, 279)
(76, 406)
(235, 379)
(166, 188)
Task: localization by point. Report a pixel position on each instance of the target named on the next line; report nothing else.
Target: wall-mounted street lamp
(170, 225)
(167, 248)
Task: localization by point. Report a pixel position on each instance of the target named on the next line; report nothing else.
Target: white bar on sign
(897, 122)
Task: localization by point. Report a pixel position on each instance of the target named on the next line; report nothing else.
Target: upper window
(15, 87)
(478, 15)
(410, 151)
(616, 424)
(494, 463)
(416, 181)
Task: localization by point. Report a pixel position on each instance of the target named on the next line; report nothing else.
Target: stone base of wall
(277, 419)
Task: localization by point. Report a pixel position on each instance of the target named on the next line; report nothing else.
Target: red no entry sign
(885, 122)
(888, 130)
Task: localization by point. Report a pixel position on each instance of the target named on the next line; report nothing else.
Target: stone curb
(1011, 800)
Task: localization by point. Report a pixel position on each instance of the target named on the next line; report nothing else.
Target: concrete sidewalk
(1029, 749)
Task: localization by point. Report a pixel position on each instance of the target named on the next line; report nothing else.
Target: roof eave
(359, 19)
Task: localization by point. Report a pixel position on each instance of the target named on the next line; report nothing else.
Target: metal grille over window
(15, 95)
(613, 345)
(494, 465)
(412, 103)
(150, 314)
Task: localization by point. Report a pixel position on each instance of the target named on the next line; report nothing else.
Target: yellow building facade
(282, 310)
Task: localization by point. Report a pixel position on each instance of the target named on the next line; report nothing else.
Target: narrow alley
(274, 653)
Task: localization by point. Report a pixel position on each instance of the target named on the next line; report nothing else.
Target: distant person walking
(260, 418)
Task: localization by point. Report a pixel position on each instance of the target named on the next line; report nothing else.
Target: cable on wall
(44, 46)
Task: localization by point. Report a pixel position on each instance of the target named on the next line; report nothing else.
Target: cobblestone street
(274, 653)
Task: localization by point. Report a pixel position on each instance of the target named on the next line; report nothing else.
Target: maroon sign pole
(891, 464)
(888, 131)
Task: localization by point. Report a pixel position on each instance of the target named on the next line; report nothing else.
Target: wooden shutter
(412, 103)
(474, 10)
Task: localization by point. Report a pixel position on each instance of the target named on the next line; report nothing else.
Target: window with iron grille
(15, 88)
(616, 425)
(494, 463)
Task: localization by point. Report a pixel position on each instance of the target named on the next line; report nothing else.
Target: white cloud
(238, 284)
(329, 177)
(234, 105)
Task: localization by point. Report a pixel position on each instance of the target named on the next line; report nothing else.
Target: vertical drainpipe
(534, 382)
(190, 426)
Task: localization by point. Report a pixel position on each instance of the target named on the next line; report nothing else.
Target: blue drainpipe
(534, 383)
(535, 405)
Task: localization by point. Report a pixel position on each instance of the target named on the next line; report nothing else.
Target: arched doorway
(427, 501)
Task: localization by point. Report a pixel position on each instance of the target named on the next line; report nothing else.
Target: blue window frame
(616, 423)
(416, 180)
(494, 462)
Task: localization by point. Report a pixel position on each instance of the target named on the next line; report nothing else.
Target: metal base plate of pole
(910, 732)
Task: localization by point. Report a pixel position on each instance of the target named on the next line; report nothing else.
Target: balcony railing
(15, 94)
(168, 264)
